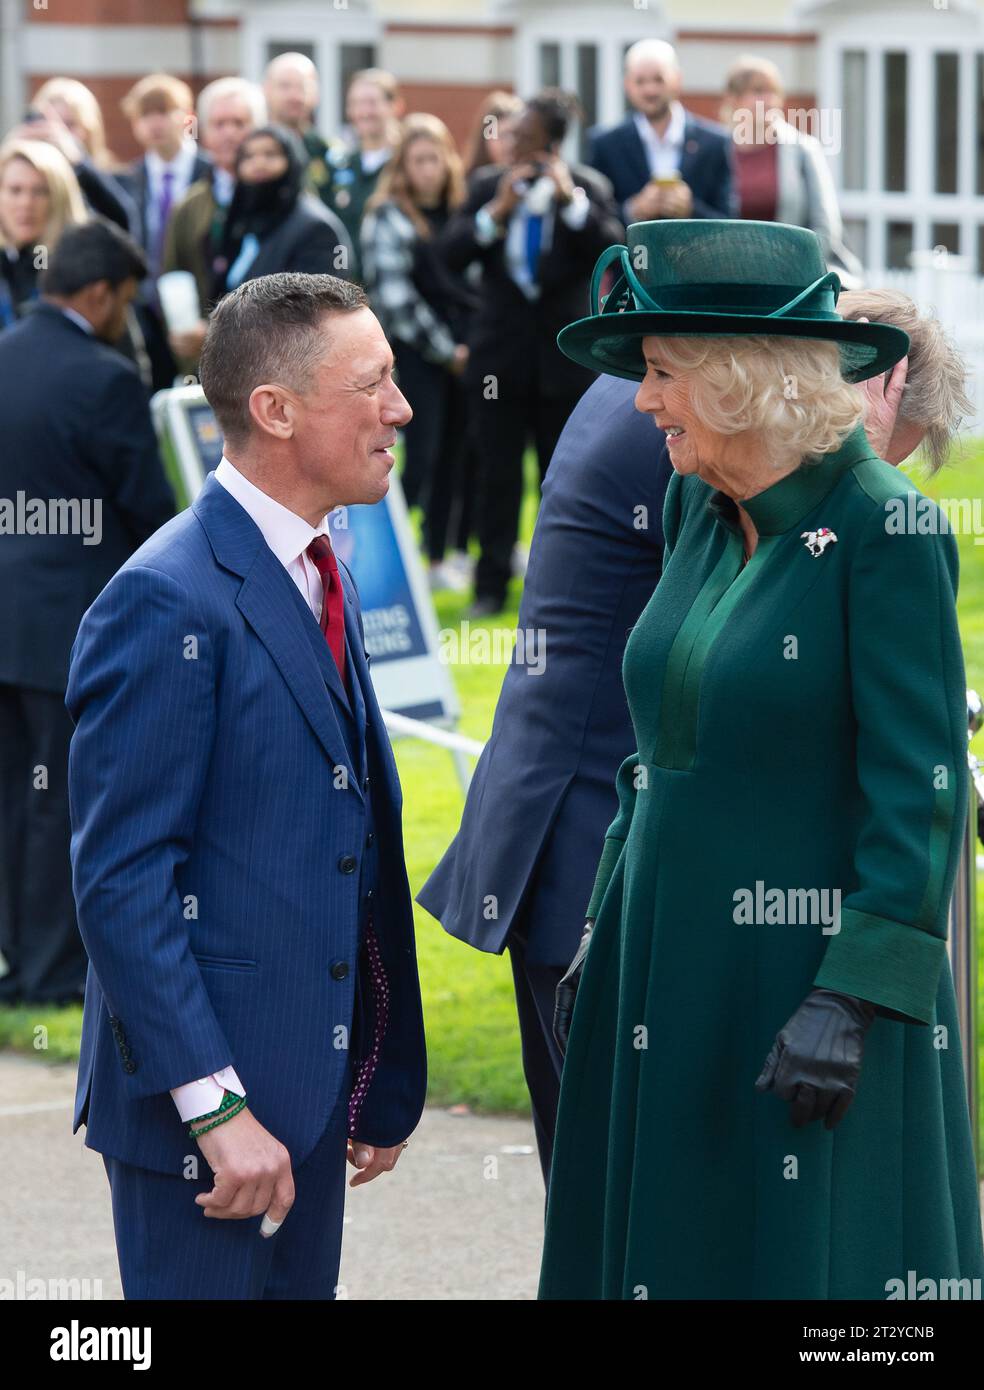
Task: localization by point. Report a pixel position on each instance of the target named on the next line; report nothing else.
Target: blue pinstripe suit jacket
(214, 804)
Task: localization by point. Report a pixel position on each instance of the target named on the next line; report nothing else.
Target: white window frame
(920, 33)
(320, 24)
(605, 27)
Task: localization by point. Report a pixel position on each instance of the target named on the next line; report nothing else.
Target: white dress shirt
(487, 230)
(663, 151)
(288, 536)
(181, 168)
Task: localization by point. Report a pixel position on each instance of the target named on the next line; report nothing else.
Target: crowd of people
(785, 666)
(466, 264)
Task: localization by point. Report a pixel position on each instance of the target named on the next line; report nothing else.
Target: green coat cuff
(606, 867)
(889, 964)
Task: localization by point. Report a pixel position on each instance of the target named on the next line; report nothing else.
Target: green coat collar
(784, 505)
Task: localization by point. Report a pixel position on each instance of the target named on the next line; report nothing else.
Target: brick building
(899, 83)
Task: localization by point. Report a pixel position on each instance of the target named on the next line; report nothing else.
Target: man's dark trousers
(39, 936)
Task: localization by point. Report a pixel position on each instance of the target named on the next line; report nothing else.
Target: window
(947, 74)
(587, 92)
(896, 68)
(898, 247)
(854, 78)
(352, 58)
(947, 234)
(550, 65)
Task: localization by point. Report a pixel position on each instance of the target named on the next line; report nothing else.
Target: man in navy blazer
(252, 1008)
(520, 870)
(691, 158)
(78, 443)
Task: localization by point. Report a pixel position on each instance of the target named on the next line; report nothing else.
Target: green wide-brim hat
(696, 278)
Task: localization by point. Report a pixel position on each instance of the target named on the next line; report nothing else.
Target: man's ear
(274, 411)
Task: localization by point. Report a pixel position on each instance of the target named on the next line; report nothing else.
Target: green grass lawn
(473, 1041)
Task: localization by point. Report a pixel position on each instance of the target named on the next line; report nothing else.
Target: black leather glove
(815, 1061)
(567, 990)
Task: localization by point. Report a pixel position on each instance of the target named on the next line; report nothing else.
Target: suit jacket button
(369, 839)
(125, 1052)
(347, 863)
(365, 784)
(339, 970)
(129, 1068)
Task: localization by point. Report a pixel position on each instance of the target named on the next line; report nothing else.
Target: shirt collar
(784, 505)
(180, 166)
(673, 135)
(223, 183)
(78, 318)
(287, 534)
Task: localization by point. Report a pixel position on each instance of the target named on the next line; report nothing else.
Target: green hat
(696, 277)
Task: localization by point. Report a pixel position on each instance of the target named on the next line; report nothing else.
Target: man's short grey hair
(935, 391)
(223, 88)
(651, 51)
(268, 331)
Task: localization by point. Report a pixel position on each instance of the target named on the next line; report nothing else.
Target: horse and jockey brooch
(817, 541)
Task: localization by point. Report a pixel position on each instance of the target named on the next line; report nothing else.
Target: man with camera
(536, 230)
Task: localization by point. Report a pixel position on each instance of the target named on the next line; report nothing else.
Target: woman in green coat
(763, 1092)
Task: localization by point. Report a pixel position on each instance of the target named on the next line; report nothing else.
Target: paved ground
(460, 1218)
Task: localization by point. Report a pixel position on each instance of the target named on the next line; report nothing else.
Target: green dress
(801, 727)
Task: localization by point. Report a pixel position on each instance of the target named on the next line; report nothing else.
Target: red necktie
(333, 602)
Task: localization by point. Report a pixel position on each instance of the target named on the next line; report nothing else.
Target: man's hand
(459, 361)
(675, 199)
(189, 344)
(644, 207)
(252, 1171)
(506, 198)
(555, 168)
(371, 1161)
(883, 396)
(661, 200)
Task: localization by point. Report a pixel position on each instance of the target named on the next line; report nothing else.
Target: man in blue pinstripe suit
(252, 1011)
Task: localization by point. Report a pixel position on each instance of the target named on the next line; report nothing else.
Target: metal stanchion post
(962, 937)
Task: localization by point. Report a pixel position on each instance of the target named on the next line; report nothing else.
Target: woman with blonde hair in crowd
(424, 309)
(39, 198)
(781, 172)
(66, 114)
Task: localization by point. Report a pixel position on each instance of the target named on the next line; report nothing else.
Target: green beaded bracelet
(231, 1105)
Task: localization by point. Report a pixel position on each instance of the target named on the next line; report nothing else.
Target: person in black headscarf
(272, 224)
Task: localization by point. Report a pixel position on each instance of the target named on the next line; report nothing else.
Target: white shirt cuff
(487, 228)
(575, 213)
(201, 1097)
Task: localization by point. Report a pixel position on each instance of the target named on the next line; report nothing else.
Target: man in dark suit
(160, 109)
(80, 449)
(520, 870)
(663, 161)
(537, 230)
(252, 1007)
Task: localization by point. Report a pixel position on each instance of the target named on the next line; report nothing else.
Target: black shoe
(484, 608)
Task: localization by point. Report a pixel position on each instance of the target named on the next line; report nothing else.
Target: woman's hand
(815, 1061)
(567, 990)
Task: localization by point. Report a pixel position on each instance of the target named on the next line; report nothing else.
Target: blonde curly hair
(789, 390)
